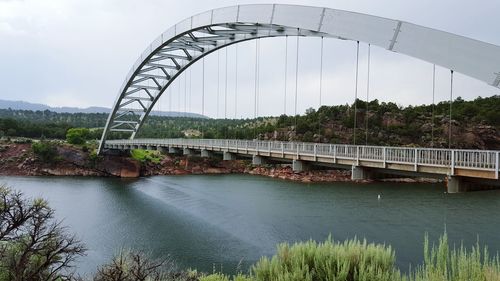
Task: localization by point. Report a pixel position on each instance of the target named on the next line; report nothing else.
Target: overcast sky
(77, 53)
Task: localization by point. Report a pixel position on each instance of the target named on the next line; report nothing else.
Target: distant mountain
(22, 105)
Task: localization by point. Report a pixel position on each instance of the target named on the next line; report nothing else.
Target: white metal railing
(450, 158)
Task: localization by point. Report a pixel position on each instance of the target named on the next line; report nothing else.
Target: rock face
(120, 167)
(18, 160)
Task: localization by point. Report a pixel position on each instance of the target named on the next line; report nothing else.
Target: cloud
(77, 53)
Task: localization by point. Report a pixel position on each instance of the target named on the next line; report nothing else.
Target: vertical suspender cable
(297, 78)
(203, 100)
(433, 102)
(225, 91)
(236, 84)
(286, 73)
(257, 45)
(190, 88)
(179, 90)
(451, 107)
(218, 81)
(367, 94)
(185, 94)
(356, 93)
(320, 85)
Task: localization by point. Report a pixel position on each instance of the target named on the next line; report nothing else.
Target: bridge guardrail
(485, 160)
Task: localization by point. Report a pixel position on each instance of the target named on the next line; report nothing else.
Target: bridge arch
(182, 45)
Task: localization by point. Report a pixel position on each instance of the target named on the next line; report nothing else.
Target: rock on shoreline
(19, 160)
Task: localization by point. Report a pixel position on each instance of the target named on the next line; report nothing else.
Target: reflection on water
(224, 220)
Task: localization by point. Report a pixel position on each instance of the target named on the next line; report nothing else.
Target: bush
(45, 151)
(77, 136)
(351, 260)
(146, 156)
(33, 246)
(441, 263)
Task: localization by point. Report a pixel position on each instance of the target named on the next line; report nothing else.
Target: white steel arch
(190, 40)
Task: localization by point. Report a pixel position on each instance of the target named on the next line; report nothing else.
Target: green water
(226, 220)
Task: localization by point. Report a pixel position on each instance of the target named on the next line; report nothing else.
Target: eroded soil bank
(18, 159)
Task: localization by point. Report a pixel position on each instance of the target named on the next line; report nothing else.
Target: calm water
(205, 220)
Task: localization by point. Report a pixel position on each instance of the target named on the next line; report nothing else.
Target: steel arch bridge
(182, 45)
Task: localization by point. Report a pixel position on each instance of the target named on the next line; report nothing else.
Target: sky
(77, 53)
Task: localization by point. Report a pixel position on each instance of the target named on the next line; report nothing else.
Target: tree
(77, 135)
(33, 246)
(45, 151)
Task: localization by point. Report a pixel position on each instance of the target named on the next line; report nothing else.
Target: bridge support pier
(206, 154)
(360, 173)
(161, 149)
(227, 156)
(455, 185)
(173, 150)
(187, 152)
(258, 160)
(299, 166)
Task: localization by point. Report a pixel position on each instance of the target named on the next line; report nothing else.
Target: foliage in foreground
(33, 246)
(355, 260)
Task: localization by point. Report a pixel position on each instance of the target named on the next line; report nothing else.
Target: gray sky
(77, 53)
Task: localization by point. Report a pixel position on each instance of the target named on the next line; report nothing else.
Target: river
(228, 221)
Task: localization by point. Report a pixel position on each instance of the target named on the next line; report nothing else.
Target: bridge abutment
(228, 156)
(258, 160)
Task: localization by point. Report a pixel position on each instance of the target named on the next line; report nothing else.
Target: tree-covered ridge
(475, 124)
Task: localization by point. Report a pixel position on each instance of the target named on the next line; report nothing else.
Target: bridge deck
(467, 163)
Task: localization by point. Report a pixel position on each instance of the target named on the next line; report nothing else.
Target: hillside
(27, 106)
(475, 125)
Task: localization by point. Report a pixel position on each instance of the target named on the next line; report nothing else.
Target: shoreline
(18, 160)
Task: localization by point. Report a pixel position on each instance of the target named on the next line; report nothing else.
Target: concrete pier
(206, 153)
(258, 160)
(227, 156)
(360, 173)
(299, 166)
(173, 150)
(187, 152)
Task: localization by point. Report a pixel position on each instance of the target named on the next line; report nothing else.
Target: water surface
(226, 220)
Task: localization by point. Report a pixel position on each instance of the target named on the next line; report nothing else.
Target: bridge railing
(453, 158)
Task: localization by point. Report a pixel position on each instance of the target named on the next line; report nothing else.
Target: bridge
(363, 160)
(191, 40)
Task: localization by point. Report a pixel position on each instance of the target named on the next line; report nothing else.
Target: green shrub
(145, 155)
(215, 277)
(441, 263)
(45, 151)
(77, 136)
(351, 260)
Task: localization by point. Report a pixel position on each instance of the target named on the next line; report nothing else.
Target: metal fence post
(335, 154)
(416, 159)
(357, 155)
(497, 163)
(315, 152)
(452, 162)
(384, 151)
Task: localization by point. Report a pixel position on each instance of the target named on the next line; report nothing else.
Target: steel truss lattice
(190, 40)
